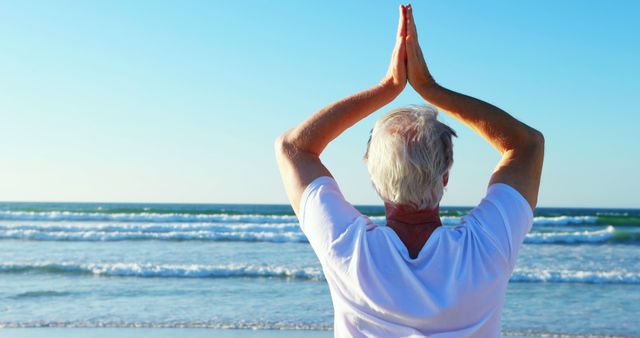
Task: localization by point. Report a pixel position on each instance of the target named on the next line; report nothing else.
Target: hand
(417, 71)
(396, 77)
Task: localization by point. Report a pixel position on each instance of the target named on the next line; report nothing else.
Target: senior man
(413, 277)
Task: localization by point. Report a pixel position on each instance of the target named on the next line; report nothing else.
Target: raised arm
(521, 146)
(298, 150)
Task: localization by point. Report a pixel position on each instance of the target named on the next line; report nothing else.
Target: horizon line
(286, 204)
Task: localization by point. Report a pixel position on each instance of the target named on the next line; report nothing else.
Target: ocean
(93, 265)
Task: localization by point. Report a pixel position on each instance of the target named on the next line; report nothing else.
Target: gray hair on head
(408, 155)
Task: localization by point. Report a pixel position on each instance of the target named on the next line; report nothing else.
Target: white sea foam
(563, 220)
(142, 217)
(227, 218)
(253, 325)
(249, 232)
(148, 227)
(178, 324)
(239, 236)
(147, 270)
(164, 270)
(573, 276)
(86, 231)
(597, 236)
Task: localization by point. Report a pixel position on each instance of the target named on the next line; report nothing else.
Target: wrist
(427, 87)
(392, 86)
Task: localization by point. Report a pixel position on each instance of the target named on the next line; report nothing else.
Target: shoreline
(57, 332)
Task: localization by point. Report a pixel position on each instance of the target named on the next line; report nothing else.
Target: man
(413, 277)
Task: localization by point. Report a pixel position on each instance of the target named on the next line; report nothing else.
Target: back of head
(408, 155)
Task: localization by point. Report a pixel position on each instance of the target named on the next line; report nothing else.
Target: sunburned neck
(414, 227)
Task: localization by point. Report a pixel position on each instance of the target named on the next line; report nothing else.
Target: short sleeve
(504, 217)
(324, 213)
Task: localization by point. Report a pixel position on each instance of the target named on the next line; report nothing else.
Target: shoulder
(503, 218)
(322, 194)
(324, 213)
(504, 190)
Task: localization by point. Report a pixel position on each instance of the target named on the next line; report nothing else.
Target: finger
(411, 24)
(401, 57)
(400, 48)
(410, 38)
(412, 48)
(402, 32)
(402, 22)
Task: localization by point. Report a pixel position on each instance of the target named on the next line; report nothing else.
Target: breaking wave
(147, 270)
(250, 232)
(158, 217)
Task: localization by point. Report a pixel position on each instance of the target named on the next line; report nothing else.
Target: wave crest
(609, 234)
(142, 217)
(249, 232)
(158, 217)
(147, 270)
(574, 276)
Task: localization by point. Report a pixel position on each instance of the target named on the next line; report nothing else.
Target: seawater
(250, 267)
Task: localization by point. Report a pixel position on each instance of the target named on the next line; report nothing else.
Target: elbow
(533, 143)
(529, 141)
(280, 143)
(291, 144)
(536, 138)
(283, 144)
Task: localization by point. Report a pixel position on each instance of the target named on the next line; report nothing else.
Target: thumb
(402, 23)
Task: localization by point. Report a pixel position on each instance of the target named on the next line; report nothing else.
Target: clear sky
(176, 101)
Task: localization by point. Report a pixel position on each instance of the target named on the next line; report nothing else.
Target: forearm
(314, 134)
(500, 129)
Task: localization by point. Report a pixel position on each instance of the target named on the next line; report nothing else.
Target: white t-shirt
(454, 288)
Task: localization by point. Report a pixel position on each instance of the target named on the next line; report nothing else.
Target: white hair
(408, 155)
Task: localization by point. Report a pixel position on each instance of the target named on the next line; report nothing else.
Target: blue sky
(166, 101)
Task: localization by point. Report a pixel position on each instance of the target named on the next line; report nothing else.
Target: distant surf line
(155, 217)
(149, 270)
(260, 232)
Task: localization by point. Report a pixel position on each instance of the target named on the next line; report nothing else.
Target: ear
(445, 179)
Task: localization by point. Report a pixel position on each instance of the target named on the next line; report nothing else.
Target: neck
(414, 227)
(408, 217)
